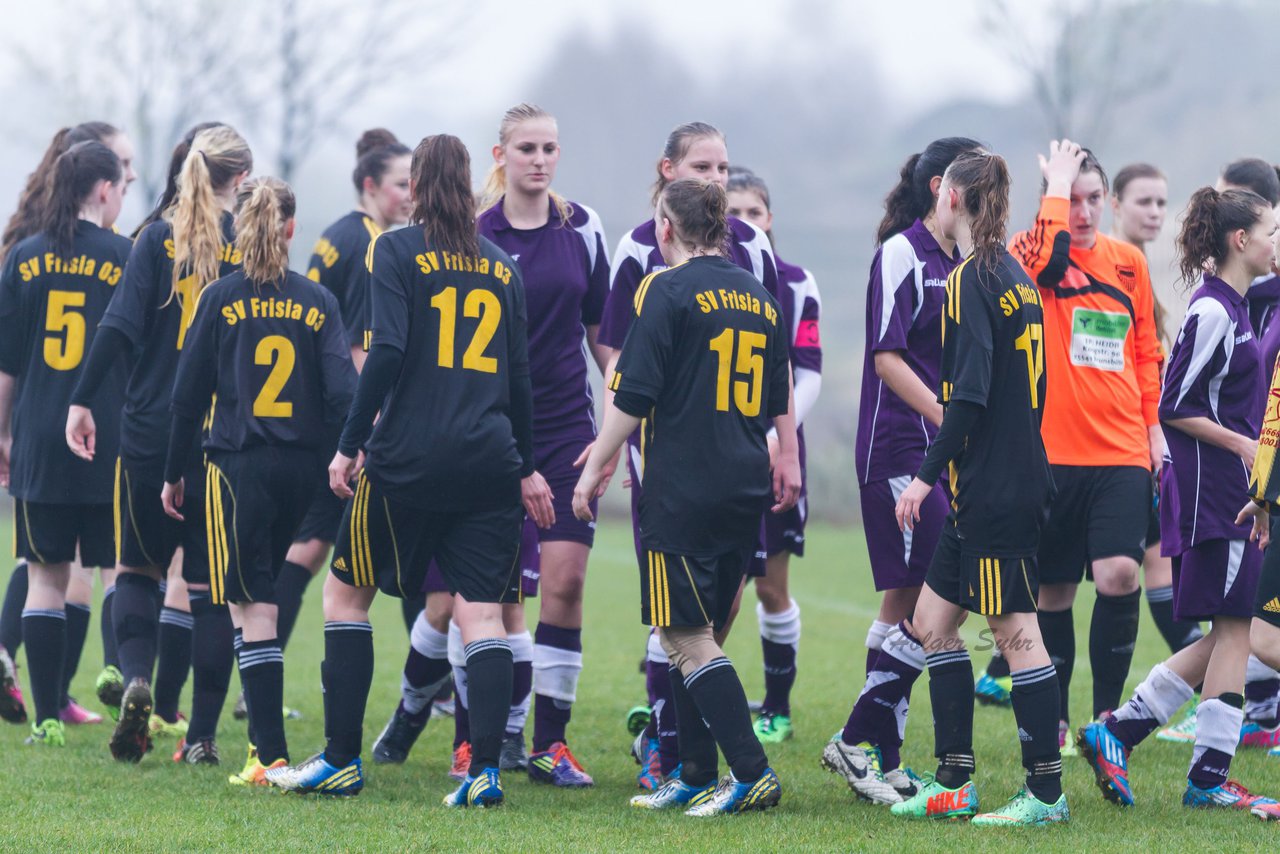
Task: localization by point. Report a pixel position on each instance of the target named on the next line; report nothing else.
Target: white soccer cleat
(860, 767)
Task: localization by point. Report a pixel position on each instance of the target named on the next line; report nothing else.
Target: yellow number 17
(1031, 342)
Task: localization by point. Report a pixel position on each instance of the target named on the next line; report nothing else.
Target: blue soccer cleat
(994, 690)
(1109, 759)
(317, 775)
(674, 794)
(483, 790)
(732, 796)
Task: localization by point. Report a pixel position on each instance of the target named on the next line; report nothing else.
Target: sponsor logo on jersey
(1272, 607)
(1128, 276)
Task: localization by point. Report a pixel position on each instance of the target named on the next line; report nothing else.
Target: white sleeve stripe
(592, 234)
(1212, 326)
(628, 247)
(897, 261)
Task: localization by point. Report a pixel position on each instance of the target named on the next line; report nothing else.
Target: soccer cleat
(398, 736)
(484, 790)
(1267, 809)
(904, 782)
(245, 775)
(557, 766)
(202, 752)
(994, 690)
(51, 733)
(110, 689)
(461, 762)
(255, 773)
(1066, 744)
(130, 741)
(12, 707)
(860, 766)
(645, 752)
(513, 756)
(1255, 735)
(732, 796)
(638, 719)
(773, 729)
(1226, 795)
(317, 775)
(935, 800)
(240, 711)
(75, 714)
(443, 708)
(1025, 808)
(1109, 759)
(674, 794)
(160, 728)
(1183, 731)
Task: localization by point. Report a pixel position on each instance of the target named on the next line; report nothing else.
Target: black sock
(211, 661)
(998, 666)
(110, 657)
(45, 631)
(291, 584)
(951, 694)
(77, 630)
(461, 716)
(489, 677)
(1113, 633)
(237, 644)
(348, 672)
(173, 661)
(1178, 634)
(717, 692)
(262, 675)
(410, 608)
(1059, 633)
(699, 760)
(135, 618)
(1035, 708)
(15, 598)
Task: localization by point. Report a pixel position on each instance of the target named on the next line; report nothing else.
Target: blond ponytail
(263, 208)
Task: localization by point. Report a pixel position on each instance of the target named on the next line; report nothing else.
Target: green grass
(79, 799)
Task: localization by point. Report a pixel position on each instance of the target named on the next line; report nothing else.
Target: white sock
(877, 633)
(781, 628)
(1159, 696)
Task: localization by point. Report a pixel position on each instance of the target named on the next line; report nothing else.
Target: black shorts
(1153, 518)
(1266, 604)
(323, 518)
(146, 535)
(388, 544)
(676, 590)
(991, 586)
(55, 533)
(1099, 512)
(254, 500)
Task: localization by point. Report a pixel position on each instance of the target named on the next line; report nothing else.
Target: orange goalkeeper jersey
(1102, 355)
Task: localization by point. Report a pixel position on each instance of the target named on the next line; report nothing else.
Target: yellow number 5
(276, 351)
(65, 353)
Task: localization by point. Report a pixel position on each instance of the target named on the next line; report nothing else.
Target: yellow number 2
(276, 351)
(746, 392)
(64, 353)
(1031, 341)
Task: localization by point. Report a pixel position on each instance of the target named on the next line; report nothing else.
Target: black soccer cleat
(398, 736)
(131, 739)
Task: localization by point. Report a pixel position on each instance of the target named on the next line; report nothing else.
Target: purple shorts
(529, 549)
(1216, 578)
(555, 464)
(900, 559)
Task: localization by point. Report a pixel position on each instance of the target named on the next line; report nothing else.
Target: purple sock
(557, 658)
(662, 723)
(1260, 702)
(879, 716)
(1154, 701)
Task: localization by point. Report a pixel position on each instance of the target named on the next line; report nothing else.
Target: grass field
(77, 799)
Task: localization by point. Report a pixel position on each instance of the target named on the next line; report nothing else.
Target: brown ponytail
(1210, 219)
(264, 207)
(913, 198)
(443, 203)
(216, 157)
(74, 176)
(698, 210)
(681, 138)
(982, 179)
(375, 150)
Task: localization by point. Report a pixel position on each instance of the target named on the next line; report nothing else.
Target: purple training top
(637, 256)
(1264, 308)
(1215, 372)
(565, 267)
(905, 296)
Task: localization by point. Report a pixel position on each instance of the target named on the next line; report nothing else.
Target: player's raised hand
(171, 497)
(908, 509)
(536, 496)
(1061, 168)
(341, 471)
(82, 433)
(786, 481)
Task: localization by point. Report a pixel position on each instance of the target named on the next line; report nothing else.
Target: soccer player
(703, 370)
(992, 386)
(54, 289)
(1211, 410)
(777, 613)
(1104, 358)
(171, 262)
(269, 345)
(899, 416)
(692, 150)
(448, 335)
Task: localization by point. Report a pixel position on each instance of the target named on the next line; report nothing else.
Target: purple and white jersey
(1264, 308)
(905, 296)
(1215, 372)
(637, 256)
(565, 267)
(801, 309)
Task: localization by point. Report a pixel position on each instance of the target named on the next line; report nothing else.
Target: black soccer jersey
(707, 347)
(276, 359)
(444, 439)
(339, 262)
(993, 356)
(157, 326)
(50, 308)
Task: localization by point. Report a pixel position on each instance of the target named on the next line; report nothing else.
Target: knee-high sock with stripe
(135, 616)
(45, 633)
(212, 658)
(780, 640)
(557, 663)
(1113, 634)
(521, 681)
(1218, 721)
(1154, 701)
(879, 716)
(173, 661)
(110, 657)
(1058, 630)
(426, 668)
(722, 703)
(489, 690)
(262, 675)
(951, 694)
(348, 673)
(1035, 708)
(77, 630)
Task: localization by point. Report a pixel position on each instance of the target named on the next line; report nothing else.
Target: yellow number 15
(746, 392)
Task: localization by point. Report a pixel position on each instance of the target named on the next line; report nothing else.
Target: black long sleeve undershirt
(376, 379)
(957, 423)
(109, 346)
(184, 434)
(633, 403)
(521, 415)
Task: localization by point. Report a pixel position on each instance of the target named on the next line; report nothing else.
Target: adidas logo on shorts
(1272, 607)
(340, 564)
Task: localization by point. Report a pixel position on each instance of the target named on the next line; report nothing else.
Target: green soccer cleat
(935, 800)
(110, 690)
(51, 733)
(1184, 731)
(1026, 809)
(638, 719)
(773, 729)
